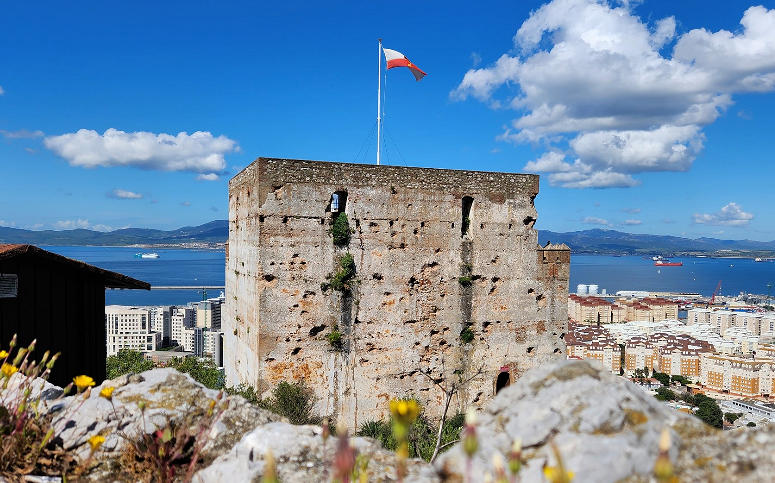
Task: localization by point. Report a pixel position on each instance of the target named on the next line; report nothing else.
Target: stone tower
(450, 284)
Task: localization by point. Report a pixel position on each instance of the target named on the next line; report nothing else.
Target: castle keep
(449, 284)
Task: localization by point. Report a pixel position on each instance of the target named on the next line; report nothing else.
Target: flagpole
(379, 95)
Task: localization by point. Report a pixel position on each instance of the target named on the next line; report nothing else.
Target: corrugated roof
(111, 279)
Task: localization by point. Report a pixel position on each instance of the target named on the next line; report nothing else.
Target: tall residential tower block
(449, 284)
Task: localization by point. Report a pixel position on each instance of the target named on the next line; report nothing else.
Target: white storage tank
(581, 289)
(593, 289)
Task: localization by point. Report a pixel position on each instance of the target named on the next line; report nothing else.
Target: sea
(194, 267)
(174, 267)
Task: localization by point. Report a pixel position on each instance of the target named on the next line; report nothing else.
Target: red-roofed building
(593, 310)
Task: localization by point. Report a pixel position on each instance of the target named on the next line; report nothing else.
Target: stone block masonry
(449, 284)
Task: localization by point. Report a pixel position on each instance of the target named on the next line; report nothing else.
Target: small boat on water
(147, 255)
(668, 263)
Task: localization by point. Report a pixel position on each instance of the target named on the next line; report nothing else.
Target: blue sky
(645, 116)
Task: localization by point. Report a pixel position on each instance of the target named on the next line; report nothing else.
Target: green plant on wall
(335, 339)
(467, 335)
(465, 281)
(343, 279)
(341, 230)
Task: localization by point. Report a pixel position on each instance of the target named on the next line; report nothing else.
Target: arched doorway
(502, 381)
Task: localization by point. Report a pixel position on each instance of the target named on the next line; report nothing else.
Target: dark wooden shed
(61, 303)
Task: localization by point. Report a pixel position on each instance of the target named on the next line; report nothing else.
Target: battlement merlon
(554, 261)
(270, 173)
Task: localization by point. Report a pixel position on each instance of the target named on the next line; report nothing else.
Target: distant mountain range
(216, 231)
(598, 241)
(613, 242)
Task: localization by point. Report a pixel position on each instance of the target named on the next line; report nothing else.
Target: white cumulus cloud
(593, 220)
(731, 214)
(124, 194)
(21, 134)
(618, 95)
(632, 222)
(80, 223)
(200, 152)
(208, 177)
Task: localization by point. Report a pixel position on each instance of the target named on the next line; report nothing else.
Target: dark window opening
(466, 205)
(502, 381)
(338, 202)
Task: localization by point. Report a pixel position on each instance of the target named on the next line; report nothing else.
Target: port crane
(715, 292)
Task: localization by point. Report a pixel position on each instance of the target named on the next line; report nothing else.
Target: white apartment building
(745, 376)
(162, 321)
(698, 316)
(187, 340)
(129, 328)
(751, 322)
(208, 313)
(721, 320)
(767, 327)
(182, 318)
(755, 323)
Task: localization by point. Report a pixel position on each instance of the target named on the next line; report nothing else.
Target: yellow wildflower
(96, 441)
(107, 392)
(555, 474)
(82, 382)
(404, 411)
(3, 354)
(8, 370)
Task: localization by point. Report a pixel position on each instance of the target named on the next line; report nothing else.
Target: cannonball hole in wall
(502, 381)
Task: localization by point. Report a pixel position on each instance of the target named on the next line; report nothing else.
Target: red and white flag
(397, 59)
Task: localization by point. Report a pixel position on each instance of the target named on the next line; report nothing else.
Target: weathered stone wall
(405, 314)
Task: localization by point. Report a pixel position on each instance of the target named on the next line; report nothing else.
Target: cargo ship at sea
(667, 263)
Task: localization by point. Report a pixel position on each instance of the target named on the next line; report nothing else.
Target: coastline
(159, 246)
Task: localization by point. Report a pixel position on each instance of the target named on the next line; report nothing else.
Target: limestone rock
(742, 455)
(301, 457)
(39, 388)
(170, 397)
(605, 427)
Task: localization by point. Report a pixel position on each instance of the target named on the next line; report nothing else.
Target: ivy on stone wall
(341, 230)
(335, 339)
(344, 277)
(467, 335)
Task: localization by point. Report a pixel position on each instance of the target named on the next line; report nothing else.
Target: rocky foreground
(606, 430)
